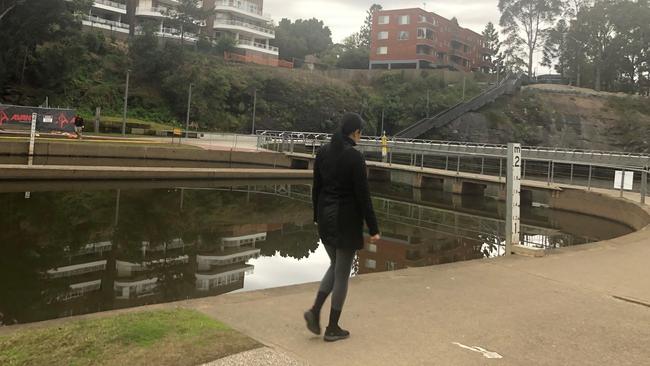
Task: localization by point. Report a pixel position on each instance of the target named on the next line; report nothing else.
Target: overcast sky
(345, 17)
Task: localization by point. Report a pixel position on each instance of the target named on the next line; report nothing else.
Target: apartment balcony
(241, 8)
(176, 34)
(243, 27)
(96, 22)
(110, 6)
(158, 12)
(259, 47)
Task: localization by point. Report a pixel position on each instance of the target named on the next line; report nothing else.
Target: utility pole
(428, 97)
(126, 102)
(254, 108)
(382, 121)
(187, 117)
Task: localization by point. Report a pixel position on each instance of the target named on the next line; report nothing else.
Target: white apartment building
(242, 20)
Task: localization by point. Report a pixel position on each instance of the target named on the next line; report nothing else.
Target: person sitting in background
(78, 125)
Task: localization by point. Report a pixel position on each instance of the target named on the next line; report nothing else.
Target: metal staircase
(507, 86)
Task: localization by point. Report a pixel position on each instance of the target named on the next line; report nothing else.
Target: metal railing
(98, 20)
(111, 4)
(238, 23)
(164, 12)
(507, 85)
(257, 45)
(554, 167)
(241, 5)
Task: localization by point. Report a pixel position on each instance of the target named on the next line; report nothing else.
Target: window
(372, 248)
(404, 19)
(425, 33)
(403, 35)
(423, 50)
(382, 50)
(371, 263)
(422, 19)
(390, 266)
(382, 35)
(384, 19)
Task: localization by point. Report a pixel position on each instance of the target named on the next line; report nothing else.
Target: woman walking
(341, 204)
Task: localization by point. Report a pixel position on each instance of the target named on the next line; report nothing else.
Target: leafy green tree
(354, 58)
(492, 43)
(598, 28)
(302, 38)
(524, 23)
(189, 15)
(365, 34)
(556, 48)
(145, 53)
(632, 38)
(225, 44)
(30, 26)
(572, 7)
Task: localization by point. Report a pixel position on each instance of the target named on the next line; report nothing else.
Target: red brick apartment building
(415, 39)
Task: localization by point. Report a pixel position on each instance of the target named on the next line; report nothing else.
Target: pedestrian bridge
(455, 182)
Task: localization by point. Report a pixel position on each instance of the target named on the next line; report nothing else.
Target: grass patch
(166, 337)
(139, 123)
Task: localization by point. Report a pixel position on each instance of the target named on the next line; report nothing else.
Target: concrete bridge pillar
(418, 181)
(417, 195)
(458, 186)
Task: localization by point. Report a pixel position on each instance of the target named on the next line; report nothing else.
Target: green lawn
(118, 120)
(168, 337)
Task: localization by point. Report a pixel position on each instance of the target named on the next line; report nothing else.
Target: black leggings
(337, 275)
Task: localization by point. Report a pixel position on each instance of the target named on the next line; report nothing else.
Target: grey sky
(345, 17)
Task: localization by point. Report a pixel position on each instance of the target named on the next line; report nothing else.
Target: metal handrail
(111, 3)
(244, 24)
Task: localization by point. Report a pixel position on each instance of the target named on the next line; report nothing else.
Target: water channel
(76, 248)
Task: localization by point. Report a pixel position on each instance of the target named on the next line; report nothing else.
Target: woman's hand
(374, 238)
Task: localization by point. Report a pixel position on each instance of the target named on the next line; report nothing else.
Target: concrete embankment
(79, 153)
(47, 172)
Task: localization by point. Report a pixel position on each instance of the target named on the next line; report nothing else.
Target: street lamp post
(254, 109)
(187, 116)
(126, 102)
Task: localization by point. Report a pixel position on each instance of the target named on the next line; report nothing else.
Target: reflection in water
(74, 252)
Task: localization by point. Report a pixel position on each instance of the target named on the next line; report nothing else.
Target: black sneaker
(313, 323)
(333, 334)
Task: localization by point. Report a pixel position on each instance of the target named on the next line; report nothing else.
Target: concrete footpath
(586, 305)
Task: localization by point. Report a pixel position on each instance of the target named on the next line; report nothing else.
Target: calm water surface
(72, 249)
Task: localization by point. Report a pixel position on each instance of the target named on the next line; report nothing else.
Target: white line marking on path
(486, 353)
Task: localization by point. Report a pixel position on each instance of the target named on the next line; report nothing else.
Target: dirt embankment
(562, 116)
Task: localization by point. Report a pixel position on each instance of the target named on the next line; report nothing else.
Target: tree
(302, 38)
(555, 47)
(491, 37)
(599, 30)
(572, 7)
(225, 44)
(34, 23)
(365, 34)
(189, 15)
(530, 17)
(632, 38)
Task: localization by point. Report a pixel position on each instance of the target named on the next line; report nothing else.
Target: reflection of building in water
(138, 288)
(152, 269)
(74, 287)
(223, 269)
(243, 240)
(402, 249)
(77, 269)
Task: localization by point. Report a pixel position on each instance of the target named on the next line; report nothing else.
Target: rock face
(559, 116)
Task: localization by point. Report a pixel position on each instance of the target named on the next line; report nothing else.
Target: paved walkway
(586, 305)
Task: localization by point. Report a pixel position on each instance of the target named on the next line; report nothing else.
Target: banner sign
(49, 119)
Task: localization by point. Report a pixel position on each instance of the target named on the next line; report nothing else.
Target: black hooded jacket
(341, 197)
